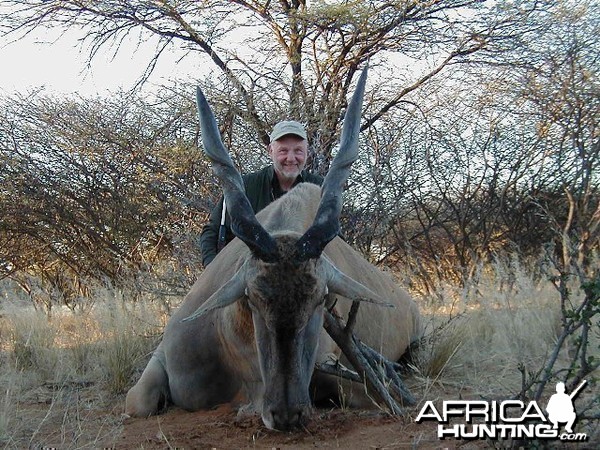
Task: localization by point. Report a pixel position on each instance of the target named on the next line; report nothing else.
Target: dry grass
(481, 333)
(74, 365)
(75, 368)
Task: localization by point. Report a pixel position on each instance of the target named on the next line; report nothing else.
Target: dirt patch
(81, 416)
(221, 429)
(70, 422)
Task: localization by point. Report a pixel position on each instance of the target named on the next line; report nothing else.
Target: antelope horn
(326, 225)
(243, 220)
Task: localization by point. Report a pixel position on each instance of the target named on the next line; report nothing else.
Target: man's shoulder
(265, 172)
(258, 184)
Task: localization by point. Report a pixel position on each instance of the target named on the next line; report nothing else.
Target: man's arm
(210, 235)
(209, 238)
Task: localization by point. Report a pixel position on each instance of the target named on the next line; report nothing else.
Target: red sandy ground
(220, 429)
(75, 420)
(99, 428)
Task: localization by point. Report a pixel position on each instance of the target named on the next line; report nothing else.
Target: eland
(251, 327)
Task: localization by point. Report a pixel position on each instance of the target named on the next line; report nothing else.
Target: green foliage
(592, 292)
(354, 13)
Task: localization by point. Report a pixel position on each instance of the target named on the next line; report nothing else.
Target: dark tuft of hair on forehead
(288, 287)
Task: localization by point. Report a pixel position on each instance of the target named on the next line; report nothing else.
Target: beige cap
(287, 127)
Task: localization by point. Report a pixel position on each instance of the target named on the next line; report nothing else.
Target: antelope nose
(285, 419)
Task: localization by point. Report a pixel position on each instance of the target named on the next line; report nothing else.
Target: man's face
(289, 156)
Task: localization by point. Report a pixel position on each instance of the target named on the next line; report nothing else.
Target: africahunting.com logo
(509, 419)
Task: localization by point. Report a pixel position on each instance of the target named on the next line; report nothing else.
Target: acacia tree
(505, 160)
(447, 123)
(305, 53)
(92, 189)
(566, 95)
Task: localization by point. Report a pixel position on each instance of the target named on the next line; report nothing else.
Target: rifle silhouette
(576, 391)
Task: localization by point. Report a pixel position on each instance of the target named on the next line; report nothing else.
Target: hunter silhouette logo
(560, 407)
(508, 419)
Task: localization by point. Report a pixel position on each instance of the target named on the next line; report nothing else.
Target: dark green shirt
(262, 188)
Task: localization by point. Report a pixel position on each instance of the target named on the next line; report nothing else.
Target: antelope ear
(227, 294)
(340, 283)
